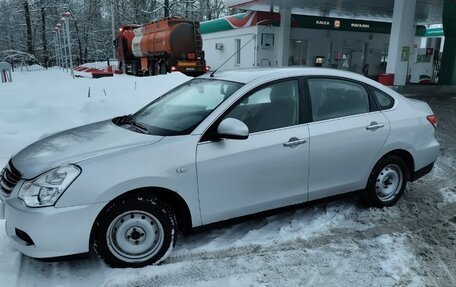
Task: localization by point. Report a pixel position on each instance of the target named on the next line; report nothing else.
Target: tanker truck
(160, 47)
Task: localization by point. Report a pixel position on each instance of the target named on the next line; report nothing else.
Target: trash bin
(5, 72)
(386, 79)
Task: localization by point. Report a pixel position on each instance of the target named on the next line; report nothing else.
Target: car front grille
(9, 178)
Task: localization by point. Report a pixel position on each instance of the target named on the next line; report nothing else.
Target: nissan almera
(214, 148)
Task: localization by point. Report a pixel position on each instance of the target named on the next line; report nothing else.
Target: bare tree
(29, 28)
(166, 8)
(43, 37)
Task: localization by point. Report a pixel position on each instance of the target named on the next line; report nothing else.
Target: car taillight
(432, 119)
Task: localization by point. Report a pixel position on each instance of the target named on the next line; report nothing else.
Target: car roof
(250, 74)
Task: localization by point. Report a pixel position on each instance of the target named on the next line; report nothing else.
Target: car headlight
(46, 189)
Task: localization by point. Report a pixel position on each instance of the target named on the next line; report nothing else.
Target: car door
(346, 134)
(269, 169)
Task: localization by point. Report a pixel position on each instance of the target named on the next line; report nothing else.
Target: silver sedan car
(214, 148)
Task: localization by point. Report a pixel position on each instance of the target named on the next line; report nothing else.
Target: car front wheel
(135, 232)
(387, 181)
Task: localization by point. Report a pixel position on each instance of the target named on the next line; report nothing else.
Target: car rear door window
(334, 98)
(384, 101)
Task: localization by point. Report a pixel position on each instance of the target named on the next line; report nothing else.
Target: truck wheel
(156, 68)
(135, 232)
(163, 69)
(151, 68)
(134, 68)
(387, 181)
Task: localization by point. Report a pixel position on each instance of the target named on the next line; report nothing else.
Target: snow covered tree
(27, 25)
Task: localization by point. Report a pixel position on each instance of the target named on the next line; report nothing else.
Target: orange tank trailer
(170, 44)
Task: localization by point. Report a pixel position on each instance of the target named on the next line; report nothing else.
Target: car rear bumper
(425, 155)
(422, 172)
(50, 232)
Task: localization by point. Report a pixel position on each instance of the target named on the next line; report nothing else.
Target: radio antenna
(239, 50)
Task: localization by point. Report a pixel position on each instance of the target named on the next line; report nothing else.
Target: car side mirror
(233, 129)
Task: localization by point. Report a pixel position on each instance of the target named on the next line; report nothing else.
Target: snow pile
(39, 103)
(29, 68)
(100, 64)
(302, 224)
(398, 260)
(10, 260)
(449, 194)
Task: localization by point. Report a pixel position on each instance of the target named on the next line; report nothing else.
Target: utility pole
(113, 28)
(64, 53)
(67, 27)
(65, 58)
(56, 45)
(61, 64)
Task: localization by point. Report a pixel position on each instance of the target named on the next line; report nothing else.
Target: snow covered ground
(336, 243)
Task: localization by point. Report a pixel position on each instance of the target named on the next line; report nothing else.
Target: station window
(237, 47)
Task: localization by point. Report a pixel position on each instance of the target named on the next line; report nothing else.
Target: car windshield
(180, 110)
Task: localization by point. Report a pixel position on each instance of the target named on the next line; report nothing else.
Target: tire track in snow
(293, 263)
(430, 212)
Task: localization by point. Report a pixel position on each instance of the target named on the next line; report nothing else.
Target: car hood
(76, 145)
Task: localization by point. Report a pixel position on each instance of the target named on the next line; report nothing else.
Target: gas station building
(413, 39)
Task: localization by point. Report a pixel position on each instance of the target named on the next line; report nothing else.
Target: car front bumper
(48, 231)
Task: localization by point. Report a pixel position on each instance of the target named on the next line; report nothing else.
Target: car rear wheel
(135, 232)
(387, 181)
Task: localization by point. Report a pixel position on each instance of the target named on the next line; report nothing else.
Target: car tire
(163, 69)
(151, 66)
(135, 232)
(134, 68)
(387, 181)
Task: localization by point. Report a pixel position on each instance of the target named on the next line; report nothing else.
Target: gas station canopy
(427, 11)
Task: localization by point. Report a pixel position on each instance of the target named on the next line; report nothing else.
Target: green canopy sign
(252, 18)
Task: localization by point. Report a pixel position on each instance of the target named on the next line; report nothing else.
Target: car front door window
(271, 107)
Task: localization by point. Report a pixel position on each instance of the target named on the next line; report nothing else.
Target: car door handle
(374, 126)
(293, 142)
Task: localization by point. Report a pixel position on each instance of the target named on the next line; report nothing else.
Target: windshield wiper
(139, 127)
(128, 120)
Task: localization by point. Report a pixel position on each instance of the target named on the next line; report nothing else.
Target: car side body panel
(411, 128)
(168, 164)
(241, 177)
(341, 150)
